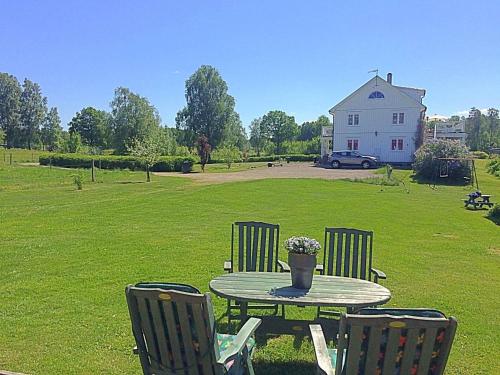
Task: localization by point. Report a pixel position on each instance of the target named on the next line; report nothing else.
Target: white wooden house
(380, 119)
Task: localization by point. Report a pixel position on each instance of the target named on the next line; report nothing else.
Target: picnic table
(275, 288)
(478, 200)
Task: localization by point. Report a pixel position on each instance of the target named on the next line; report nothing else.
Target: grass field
(67, 255)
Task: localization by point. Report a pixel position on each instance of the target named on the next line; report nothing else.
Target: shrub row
(296, 157)
(493, 167)
(164, 164)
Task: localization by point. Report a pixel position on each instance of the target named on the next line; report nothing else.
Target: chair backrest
(255, 246)
(386, 344)
(174, 330)
(348, 253)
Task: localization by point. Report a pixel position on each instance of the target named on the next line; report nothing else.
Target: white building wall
(376, 131)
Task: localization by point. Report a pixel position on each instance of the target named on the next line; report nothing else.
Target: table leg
(243, 312)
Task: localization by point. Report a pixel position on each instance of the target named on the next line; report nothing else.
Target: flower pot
(302, 269)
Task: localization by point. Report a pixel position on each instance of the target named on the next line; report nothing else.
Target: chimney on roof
(389, 78)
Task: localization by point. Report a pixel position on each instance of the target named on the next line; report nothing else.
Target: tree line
(209, 117)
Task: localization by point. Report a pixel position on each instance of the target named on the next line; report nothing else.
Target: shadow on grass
(130, 182)
(495, 220)
(440, 181)
(280, 367)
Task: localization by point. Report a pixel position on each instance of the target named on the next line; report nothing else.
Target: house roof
(378, 78)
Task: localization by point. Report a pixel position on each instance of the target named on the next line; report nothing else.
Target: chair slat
(204, 350)
(391, 350)
(354, 349)
(241, 254)
(338, 265)
(375, 334)
(330, 254)
(255, 244)
(347, 253)
(160, 331)
(248, 248)
(270, 258)
(409, 350)
(147, 328)
(173, 335)
(427, 348)
(187, 338)
(370, 256)
(355, 253)
(262, 254)
(363, 256)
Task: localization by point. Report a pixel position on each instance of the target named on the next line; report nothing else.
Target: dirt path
(292, 170)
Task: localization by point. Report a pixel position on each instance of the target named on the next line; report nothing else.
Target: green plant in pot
(302, 260)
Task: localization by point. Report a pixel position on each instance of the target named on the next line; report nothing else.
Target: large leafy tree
(494, 127)
(51, 132)
(234, 133)
(258, 139)
(132, 118)
(92, 125)
(10, 94)
(279, 127)
(209, 110)
(312, 129)
(33, 112)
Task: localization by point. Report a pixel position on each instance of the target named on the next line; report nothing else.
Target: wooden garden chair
(254, 248)
(387, 344)
(348, 252)
(174, 328)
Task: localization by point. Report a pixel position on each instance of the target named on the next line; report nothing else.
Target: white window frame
(398, 140)
(352, 140)
(395, 118)
(401, 118)
(353, 119)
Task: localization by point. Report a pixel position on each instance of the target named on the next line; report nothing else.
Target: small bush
(426, 166)
(493, 167)
(164, 163)
(479, 155)
(78, 181)
(494, 214)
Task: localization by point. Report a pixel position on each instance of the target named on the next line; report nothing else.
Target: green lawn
(67, 255)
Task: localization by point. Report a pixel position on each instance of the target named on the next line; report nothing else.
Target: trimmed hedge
(164, 164)
(296, 157)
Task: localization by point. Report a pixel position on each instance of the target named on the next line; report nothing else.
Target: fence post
(93, 175)
(11, 158)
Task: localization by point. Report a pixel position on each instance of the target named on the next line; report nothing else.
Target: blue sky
(298, 56)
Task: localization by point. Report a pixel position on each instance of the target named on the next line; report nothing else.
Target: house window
(397, 144)
(350, 120)
(352, 144)
(356, 119)
(394, 118)
(401, 118)
(376, 95)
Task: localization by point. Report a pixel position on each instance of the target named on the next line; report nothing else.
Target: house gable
(393, 98)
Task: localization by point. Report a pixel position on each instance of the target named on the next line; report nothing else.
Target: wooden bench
(482, 200)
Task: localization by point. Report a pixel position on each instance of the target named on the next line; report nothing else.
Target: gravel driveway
(292, 170)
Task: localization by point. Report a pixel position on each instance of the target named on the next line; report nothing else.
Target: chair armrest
(240, 340)
(321, 350)
(320, 268)
(378, 274)
(284, 267)
(228, 266)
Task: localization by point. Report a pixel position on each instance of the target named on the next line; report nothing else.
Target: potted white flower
(302, 260)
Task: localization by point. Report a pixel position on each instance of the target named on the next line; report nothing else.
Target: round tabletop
(275, 288)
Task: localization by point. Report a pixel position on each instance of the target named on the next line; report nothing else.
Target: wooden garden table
(275, 288)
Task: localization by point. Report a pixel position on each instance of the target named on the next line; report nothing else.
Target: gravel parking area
(292, 170)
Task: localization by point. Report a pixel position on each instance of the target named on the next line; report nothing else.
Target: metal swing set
(443, 166)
